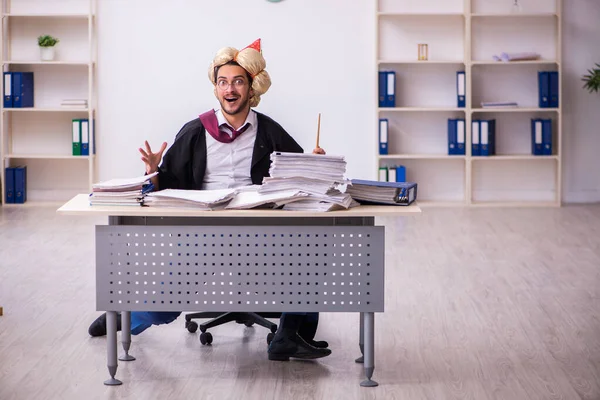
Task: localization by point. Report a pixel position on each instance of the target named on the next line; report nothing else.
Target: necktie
(209, 120)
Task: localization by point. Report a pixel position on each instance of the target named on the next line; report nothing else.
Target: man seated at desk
(236, 152)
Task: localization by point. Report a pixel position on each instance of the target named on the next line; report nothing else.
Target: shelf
(41, 136)
(33, 15)
(58, 109)
(514, 109)
(420, 109)
(513, 157)
(528, 62)
(38, 62)
(426, 94)
(434, 62)
(48, 156)
(394, 14)
(515, 15)
(420, 157)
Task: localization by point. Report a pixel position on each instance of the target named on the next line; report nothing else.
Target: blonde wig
(250, 58)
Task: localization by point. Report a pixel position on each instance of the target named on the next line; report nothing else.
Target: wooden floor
(480, 304)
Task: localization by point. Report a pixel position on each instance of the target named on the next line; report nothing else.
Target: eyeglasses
(237, 83)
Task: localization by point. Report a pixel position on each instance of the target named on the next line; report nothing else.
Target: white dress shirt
(228, 164)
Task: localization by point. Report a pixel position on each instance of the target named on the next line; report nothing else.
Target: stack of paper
(524, 56)
(312, 166)
(197, 199)
(119, 192)
(315, 176)
(253, 198)
(499, 104)
(74, 103)
(376, 192)
(331, 201)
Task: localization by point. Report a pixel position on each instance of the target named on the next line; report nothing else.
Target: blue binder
(544, 89)
(93, 137)
(22, 86)
(7, 89)
(460, 89)
(487, 137)
(452, 136)
(553, 89)
(9, 185)
(456, 136)
(383, 136)
(85, 137)
(536, 137)
(391, 89)
(382, 88)
(400, 173)
(390, 193)
(475, 138)
(20, 184)
(461, 134)
(547, 137)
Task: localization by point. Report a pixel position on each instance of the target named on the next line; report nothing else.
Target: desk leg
(369, 332)
(361, 340)
(126, 335)
(111, 346)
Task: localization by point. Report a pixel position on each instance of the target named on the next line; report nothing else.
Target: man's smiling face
(233, 89)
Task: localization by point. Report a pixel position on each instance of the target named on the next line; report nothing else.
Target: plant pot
(47, 53)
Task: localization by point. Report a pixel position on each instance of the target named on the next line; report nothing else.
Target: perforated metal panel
(240, 268)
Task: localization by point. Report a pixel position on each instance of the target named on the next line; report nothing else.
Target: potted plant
(592, 79)
(46, 43)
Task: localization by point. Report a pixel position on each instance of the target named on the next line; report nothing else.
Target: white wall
(152, 72)
(581, 128)
(153, 56)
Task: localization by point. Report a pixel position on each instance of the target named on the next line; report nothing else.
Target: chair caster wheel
(270, 337)
(191, 326)
(248, 324)
(274, 328)
(206, 338)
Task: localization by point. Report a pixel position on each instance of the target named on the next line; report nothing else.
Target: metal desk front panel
(265, 268)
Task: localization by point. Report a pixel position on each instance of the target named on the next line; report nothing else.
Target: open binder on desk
(377, 192)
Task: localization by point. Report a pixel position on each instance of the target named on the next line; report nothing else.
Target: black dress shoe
(319, 344)
(307, 331)
(98, 327)
(283, 348)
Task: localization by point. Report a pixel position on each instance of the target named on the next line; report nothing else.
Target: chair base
(246, 318)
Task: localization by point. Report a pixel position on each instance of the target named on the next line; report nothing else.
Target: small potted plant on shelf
(47, 43)
(592, 79)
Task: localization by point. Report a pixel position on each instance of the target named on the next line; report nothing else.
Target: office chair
(218, 318)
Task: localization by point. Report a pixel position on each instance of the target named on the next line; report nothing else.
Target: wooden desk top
(79, 205)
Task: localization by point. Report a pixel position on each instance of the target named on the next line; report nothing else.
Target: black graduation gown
(184, 163)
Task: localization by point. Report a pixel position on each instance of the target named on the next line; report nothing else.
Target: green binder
(76, 131)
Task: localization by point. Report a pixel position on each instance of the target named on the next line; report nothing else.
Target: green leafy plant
(47, 41)
(592, 79)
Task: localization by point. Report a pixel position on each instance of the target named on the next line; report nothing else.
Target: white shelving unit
(463, 35)
(40, 137)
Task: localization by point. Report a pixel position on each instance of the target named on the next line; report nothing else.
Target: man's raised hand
(152, 159)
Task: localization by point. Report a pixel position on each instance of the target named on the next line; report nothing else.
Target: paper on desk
(320, 202)
(124, 183)
(206, 197)
(164, 202)
(308, 185)
(308, 156)
(251, 199)
(316, 205)
(316, 166)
